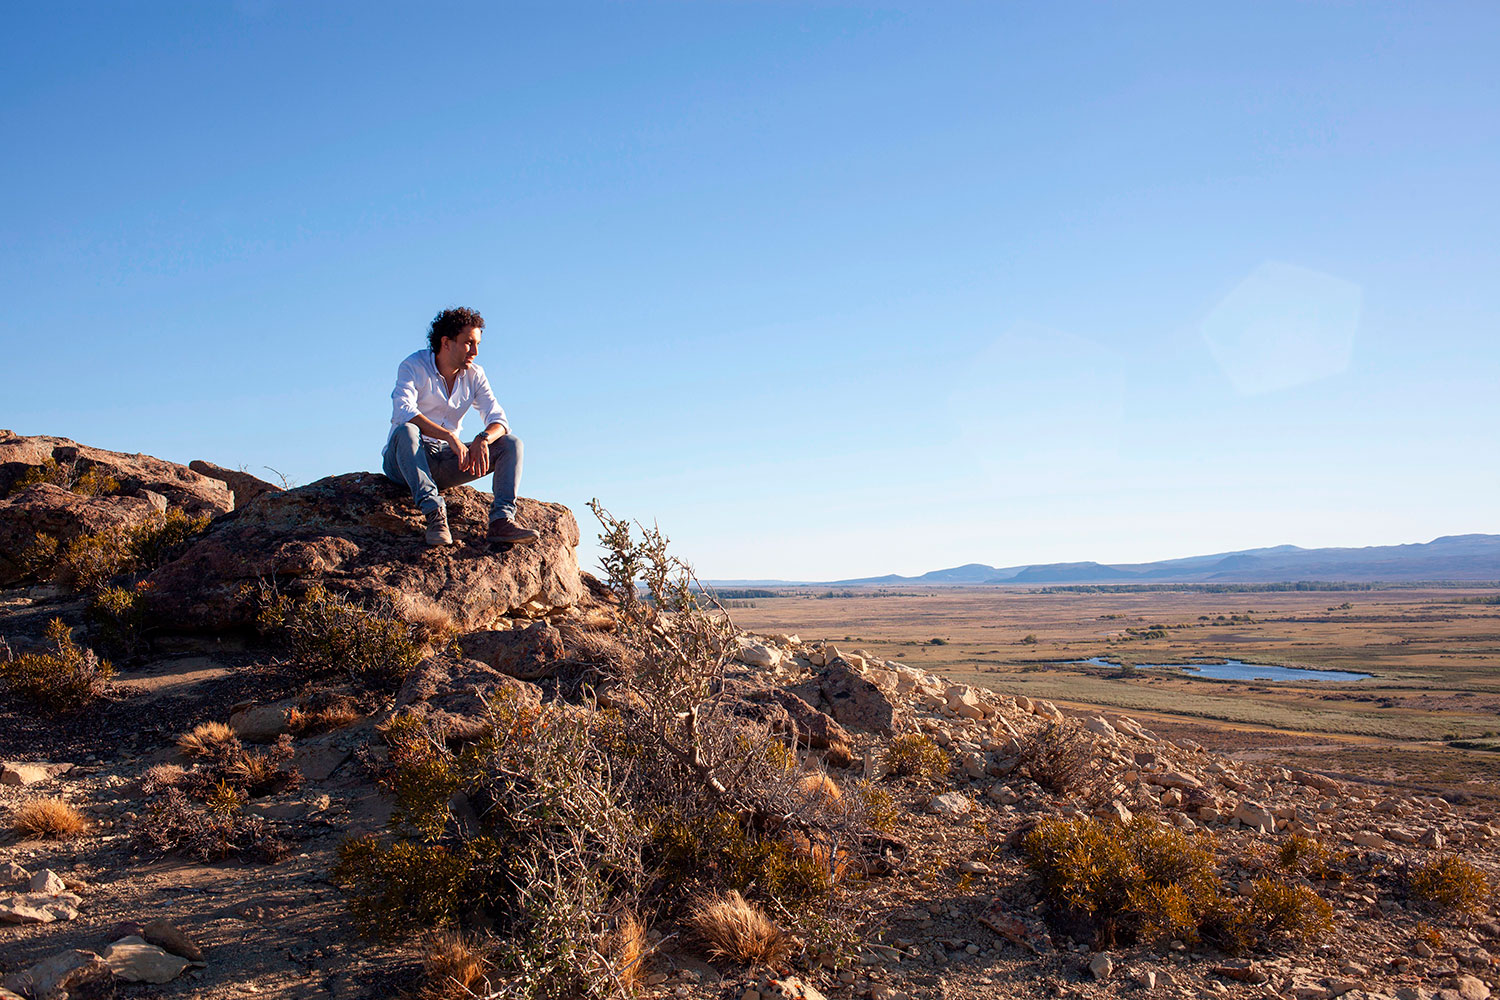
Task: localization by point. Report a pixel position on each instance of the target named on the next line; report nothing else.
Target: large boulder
(359, 535)
(244, 486)
(457, 693)
(851, 699)
(45, 509)
(133, 475)
(529, 653)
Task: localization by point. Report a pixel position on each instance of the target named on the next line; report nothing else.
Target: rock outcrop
(244, 486)
(45, 509)
(134, 475)
(359, 534)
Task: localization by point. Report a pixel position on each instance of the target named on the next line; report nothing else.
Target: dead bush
(738, 930)
(48, 818)
(174, 824)
(916, 755)
(87, 481)
(1061, 758)
(1448, 882)
(62, 682)
(323, 712)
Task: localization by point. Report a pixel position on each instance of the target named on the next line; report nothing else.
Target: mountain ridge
(1466, 557)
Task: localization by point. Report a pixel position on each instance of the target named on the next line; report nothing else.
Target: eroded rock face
(135, 474)
(359, 534)
(851, 699)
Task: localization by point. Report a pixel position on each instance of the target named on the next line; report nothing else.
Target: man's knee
(406, 436)
(503, 444)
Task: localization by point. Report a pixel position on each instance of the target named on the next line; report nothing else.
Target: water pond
(1235, 670)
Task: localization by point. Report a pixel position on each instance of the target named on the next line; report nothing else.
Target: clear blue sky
(828, 290)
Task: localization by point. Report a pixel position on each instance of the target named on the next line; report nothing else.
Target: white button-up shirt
(420, 388)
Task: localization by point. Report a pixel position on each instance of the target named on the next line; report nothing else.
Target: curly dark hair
(452, 323)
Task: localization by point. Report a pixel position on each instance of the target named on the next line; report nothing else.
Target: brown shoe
(437, 526)
(504, 531)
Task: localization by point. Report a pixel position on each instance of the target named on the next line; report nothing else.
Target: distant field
(1435, 661)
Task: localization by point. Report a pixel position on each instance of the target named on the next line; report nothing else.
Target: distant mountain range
(1451, 557)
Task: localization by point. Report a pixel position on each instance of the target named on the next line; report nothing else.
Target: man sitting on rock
(425, 449)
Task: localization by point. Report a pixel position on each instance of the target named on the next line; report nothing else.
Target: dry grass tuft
(820, 792)
(48, 818)
(160, 777)
(454, 964)
(627, 950)
(739, 930)
(207, 739)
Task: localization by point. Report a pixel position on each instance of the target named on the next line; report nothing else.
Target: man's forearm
(490, 433)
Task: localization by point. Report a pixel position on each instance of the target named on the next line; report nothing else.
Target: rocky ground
(960, 916)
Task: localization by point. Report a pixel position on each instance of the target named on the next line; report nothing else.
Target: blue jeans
(427, 468)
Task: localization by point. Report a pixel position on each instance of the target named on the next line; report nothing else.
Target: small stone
(1472, 988)
(38, 908)
(656, 978)
(166, 935)
(1147, 978)
(950, 804)
(135, 961)
(48, 881)
(13, 873)
(1101, 966)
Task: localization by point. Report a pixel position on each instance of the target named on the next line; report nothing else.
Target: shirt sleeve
(404, 396)
(487, 405)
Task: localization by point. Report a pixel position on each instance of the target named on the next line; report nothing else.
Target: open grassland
(1435, 660)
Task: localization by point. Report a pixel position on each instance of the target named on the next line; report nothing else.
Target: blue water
(1234, 670)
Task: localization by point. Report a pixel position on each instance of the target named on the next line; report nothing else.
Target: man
(425, 448)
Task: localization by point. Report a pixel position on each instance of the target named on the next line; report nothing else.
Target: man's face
(459, 352)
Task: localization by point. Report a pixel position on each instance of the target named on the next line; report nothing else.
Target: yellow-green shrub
(1449, 882)
(1129, 882)
(916, 755)
(329, 632)
(60, 682)
(1283, 907)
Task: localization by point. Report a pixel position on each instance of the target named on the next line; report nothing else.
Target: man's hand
(479, 456)
(464, 453)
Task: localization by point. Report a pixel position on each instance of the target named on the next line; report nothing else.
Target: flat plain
(1429, 714)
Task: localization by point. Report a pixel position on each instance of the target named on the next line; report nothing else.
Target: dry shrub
(88, 481)
(59, 683)
(1448, 882)
(48, 818)
(431, 624)
(89, 561)
(208, 739)
(160, 777)
(916, 755)
(328, 632)
(1300, 853)
(819, 792)
(454, 965)
(839, 755)
(117, 619)
(1061, 758)
(173, 824)
(739, 930)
